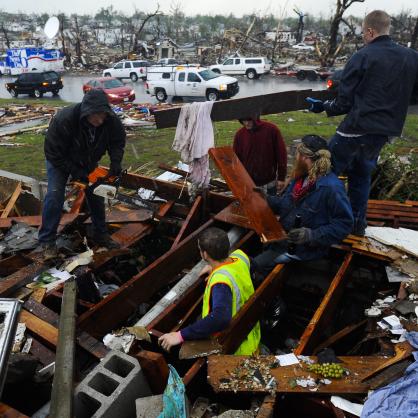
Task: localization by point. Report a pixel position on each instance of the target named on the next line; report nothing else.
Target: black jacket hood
(94, 101)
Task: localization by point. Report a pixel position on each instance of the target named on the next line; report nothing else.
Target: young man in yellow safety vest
(228, 287)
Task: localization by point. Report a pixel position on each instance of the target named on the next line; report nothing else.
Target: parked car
(36, 84)
(182, 81)
(251, 67)
(115, 90)
(128, 69)
(303, 47)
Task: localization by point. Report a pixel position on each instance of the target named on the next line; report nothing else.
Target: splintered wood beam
(265, 104)
(115, 216)
(261, 217)
(192, 221)
(112, 311)
(267, 407)
(12, 201)
(130, 234)
(42, 329)
(321, 319)
(171, 191)
(222, 367)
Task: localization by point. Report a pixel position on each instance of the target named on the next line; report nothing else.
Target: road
(72, 91)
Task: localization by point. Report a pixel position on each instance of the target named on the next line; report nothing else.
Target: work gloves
(79, 174)
(299, 235)
(115, 169)
(316, 106)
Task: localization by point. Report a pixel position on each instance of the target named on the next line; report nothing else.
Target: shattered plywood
(261, 217)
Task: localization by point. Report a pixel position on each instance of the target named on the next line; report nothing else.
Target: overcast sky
(191, 7)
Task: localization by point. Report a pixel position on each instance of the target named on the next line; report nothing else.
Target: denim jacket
(325, 210)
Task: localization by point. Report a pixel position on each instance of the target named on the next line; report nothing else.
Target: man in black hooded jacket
(77, 138)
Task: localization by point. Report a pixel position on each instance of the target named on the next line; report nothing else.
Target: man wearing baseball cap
(314, 209)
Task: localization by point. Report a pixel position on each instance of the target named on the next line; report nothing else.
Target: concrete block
(149, 407)
(111, 388)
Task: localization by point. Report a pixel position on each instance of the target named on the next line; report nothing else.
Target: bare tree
(5, 34)
(77, 36)
(332, 49)
(62, 20)
(138, 31)
(414, 36)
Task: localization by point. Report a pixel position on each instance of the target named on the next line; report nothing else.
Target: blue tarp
(400, 398)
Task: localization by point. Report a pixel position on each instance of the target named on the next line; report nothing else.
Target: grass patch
(27, 100)
(154, 146)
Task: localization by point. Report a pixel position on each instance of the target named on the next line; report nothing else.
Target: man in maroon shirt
(260, 147)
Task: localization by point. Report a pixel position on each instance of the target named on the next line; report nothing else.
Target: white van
(189, 81)
(252, 67)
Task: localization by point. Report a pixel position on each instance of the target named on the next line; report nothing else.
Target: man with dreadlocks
(317, 198)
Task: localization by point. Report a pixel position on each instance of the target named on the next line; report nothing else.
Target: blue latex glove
(316, 106)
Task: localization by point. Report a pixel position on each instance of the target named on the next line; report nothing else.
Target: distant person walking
(260, 147)
(374, 93)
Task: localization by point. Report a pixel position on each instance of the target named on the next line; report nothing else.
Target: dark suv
(36, 84)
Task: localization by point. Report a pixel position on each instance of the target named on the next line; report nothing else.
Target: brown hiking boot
(49, 250)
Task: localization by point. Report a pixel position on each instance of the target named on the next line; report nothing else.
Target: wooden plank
(115, 216)
(7, 411)
(172, 191)
(262, 218)
(12, 201)
(235, 215)
(123, 302)
(45, 331)
(63, 385)
(328, 305)
(221, 367)
(84, 340)
(130, 234)
(339, 335)
(13, 263)
(192, 221)
(267, 407)
(236, 108)
(21, 277)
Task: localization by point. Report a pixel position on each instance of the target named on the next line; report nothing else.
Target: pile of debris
(347, 324)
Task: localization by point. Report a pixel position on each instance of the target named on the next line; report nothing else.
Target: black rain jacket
(375, 89)
(74, 146)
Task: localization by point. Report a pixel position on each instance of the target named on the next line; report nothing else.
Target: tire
(312, 76)
(14, 92)
(107, 75)
(37, 93)
(251, 74)
(212, 96)
(301, 75)
(55, 92)
(133, 77)
(161, 95)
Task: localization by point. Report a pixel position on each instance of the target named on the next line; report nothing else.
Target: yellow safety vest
(236, 275)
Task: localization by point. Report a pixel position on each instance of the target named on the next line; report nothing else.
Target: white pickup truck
(189, 81)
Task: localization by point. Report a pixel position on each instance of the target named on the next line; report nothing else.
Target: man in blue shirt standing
(374, 93)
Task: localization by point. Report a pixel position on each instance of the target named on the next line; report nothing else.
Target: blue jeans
(54, 200)
(357, 158)
(275, 254)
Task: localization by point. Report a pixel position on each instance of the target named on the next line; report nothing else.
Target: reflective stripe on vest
(234, 283)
